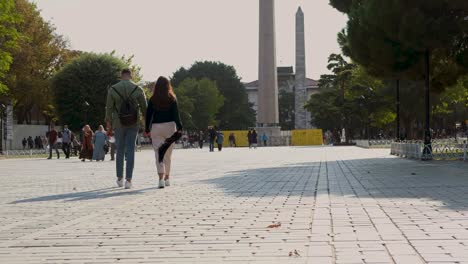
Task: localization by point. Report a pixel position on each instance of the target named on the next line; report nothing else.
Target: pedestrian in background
(220, 139)
(254, 139)
(99, 140)
(201, 139)
(53, 138)
(111, 140)
(232, 140)
(264, 139)
(211, 137)
(87, 146)
(66, 141)
(24, 142)
(30, 142)
(249, 138)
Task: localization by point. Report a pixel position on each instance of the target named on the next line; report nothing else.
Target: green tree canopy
(9, 37)
(41, 52)
(286, 110)
(80, 88)
(199, 101)
(237, 112)
(365, 107)
(391, 38)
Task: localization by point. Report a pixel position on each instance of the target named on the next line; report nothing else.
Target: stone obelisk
(268, 115)
(301, 115)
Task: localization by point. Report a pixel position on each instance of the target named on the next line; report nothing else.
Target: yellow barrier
(307, 137)
(240, 135)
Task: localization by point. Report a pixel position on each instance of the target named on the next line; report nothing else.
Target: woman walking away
(87, 144)
(162, 121)
(100, 140)
(249, 138)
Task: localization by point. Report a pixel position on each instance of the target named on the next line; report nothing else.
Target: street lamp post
(86, 105)
(2, 127)
(398, 109)
(427, 152)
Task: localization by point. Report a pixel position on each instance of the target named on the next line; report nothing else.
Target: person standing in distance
(53, 137)
(162, 121)
(66, 141)
(125, 104)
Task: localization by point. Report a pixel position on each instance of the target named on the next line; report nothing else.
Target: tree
(286, 110)
(199, 101)
(365, 110)
(41, 52)
(80, 88)
(420, 39)
(237, 112)
(9, 37)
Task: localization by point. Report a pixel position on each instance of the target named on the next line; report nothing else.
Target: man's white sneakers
(128, 185)
(162, 184)
(120, 182)
(168, 183)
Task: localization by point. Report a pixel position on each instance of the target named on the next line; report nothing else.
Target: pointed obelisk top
(299, 11)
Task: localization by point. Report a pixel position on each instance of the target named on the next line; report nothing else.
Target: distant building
(292, 82)
(286, 82)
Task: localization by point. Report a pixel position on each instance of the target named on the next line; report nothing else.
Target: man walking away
(125, 101)
(212, 136)
(66, 141)
(53, 137)
(249, 138)
(24, 142)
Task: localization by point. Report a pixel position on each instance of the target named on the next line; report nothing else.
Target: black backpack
(128, 114)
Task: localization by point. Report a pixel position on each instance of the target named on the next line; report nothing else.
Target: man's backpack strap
(120, 95)
(134, 89)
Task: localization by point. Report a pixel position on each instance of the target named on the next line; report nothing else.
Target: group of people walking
(125, 104)
(39, 142)
(93, 146)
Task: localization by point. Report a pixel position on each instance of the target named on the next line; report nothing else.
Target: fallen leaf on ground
(274, 225)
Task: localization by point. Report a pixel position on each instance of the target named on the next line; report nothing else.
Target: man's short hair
(126, 72)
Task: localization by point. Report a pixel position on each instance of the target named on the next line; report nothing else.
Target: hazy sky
(167, 34)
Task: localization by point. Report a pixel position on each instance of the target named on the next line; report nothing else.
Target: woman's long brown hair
(163, 94)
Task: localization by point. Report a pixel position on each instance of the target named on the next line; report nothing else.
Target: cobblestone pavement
(335, 205)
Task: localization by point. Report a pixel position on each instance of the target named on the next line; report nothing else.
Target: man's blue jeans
(125, 139)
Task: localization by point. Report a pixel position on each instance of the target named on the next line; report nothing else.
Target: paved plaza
(270, 205)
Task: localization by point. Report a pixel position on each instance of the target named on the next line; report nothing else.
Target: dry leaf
(274, 225)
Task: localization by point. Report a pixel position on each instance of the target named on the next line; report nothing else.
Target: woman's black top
(154, 116)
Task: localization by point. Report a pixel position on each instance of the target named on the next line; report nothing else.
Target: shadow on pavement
(438, 184)
(88, 195)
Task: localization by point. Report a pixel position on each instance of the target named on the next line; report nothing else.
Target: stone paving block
(335, 205)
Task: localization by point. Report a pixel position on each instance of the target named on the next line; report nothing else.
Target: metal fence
(440, 149)
(375, 143)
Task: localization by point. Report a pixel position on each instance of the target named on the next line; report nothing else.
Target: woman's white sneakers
(168, 183)
(120, 182)
(128, 185)
(162, 184)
